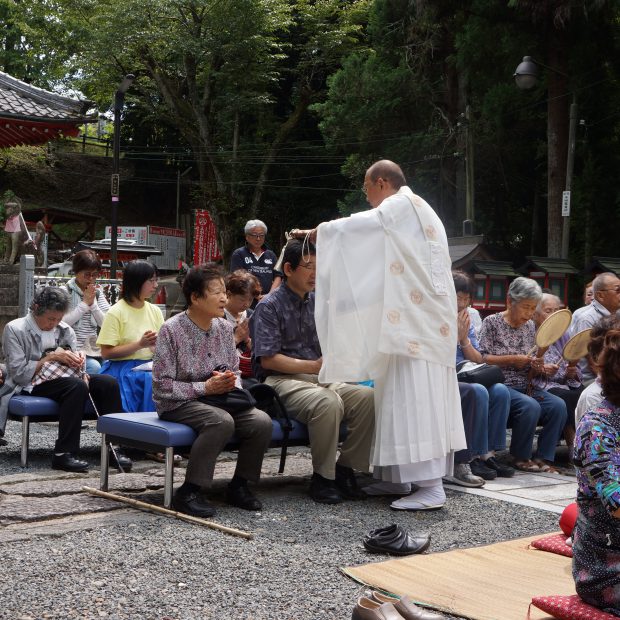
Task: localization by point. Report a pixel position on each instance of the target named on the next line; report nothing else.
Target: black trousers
(571, 398)
(71, 395)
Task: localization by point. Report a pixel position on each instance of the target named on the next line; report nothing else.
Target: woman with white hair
(256, 257)
(507, 339)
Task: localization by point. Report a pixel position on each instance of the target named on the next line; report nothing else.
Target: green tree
(234, 77)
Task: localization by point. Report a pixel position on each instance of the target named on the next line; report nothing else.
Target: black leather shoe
(193, 504)
(347, 484)
(324, 491)
(396, 541)
(68, 462)
(125, 462)
(242, 497)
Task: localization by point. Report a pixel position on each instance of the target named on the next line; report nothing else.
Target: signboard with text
(205, 238)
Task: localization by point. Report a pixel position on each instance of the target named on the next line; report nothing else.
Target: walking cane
(92, 402)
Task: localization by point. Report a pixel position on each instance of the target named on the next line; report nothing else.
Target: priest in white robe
(386, 311)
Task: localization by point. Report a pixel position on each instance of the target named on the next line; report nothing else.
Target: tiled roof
(548, 265)
(19, 100)
(494, 268)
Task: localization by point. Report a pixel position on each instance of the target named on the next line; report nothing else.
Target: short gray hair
(521, 289)
(51, 298)
(545, 297)
(254, 224)
(600, 282)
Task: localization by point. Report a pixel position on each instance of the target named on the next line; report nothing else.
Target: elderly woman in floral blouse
(596, 538)
(507, 339)
(195, 357)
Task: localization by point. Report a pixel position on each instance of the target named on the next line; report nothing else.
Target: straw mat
(495, 582)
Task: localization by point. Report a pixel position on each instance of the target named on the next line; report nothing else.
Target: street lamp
(119, 100)
(526, 76)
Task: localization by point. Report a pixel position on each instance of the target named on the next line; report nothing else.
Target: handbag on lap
(485, 374)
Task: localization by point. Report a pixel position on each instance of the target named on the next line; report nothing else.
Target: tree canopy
(280, 105)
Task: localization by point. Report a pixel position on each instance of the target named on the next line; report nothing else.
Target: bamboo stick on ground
(169, 513)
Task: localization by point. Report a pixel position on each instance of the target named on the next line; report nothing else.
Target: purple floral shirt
(559, 379)
(498, 338)
(186, 355)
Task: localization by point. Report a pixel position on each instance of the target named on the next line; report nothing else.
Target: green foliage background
(280, 105)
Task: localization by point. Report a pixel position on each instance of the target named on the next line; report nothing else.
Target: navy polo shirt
(262, 267)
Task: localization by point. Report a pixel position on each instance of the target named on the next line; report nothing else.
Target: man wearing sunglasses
(256, 257)
(606, 290)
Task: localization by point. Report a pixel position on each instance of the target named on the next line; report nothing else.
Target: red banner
(205, 238)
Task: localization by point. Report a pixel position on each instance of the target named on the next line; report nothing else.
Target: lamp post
(526, 76)
(119, 100)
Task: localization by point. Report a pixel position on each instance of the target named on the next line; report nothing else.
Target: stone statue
(18, 239)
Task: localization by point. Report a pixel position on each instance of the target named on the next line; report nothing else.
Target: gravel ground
(151, 567)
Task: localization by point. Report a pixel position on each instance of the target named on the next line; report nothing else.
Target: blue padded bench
(145, 431)
(27, 409)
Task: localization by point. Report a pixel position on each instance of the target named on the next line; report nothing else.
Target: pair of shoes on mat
(377, 606)
(396, 540)
(464, 476)
(387, 488)
(425, 498)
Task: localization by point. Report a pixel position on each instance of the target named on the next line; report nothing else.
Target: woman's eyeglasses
(256, 236)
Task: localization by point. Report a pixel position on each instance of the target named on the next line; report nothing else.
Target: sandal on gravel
(545, 467)
(527, 465)
(160, 457)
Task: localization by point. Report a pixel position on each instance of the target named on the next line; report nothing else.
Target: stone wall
(9, 295)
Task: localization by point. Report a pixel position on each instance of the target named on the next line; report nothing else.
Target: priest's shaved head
(389, 171)
(383, 179)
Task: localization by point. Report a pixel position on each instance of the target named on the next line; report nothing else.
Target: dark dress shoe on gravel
(68, 462)
(193, 504)
(407, 609)
(397, 541)
(125, 462)
(324, 491)
(242, 497)
(347, 484)
(367, 609)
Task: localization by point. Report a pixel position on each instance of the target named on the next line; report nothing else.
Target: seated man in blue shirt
(286, 355)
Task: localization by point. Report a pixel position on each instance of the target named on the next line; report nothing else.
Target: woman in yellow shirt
(128, 335)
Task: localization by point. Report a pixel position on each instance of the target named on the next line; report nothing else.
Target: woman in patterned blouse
(195, 357)
(596, 542)
(507, 339)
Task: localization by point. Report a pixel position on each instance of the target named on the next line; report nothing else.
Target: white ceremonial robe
(386, 311)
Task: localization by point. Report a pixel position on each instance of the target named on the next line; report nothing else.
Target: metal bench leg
(25, 440)
(169, 479)
(103, 474)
